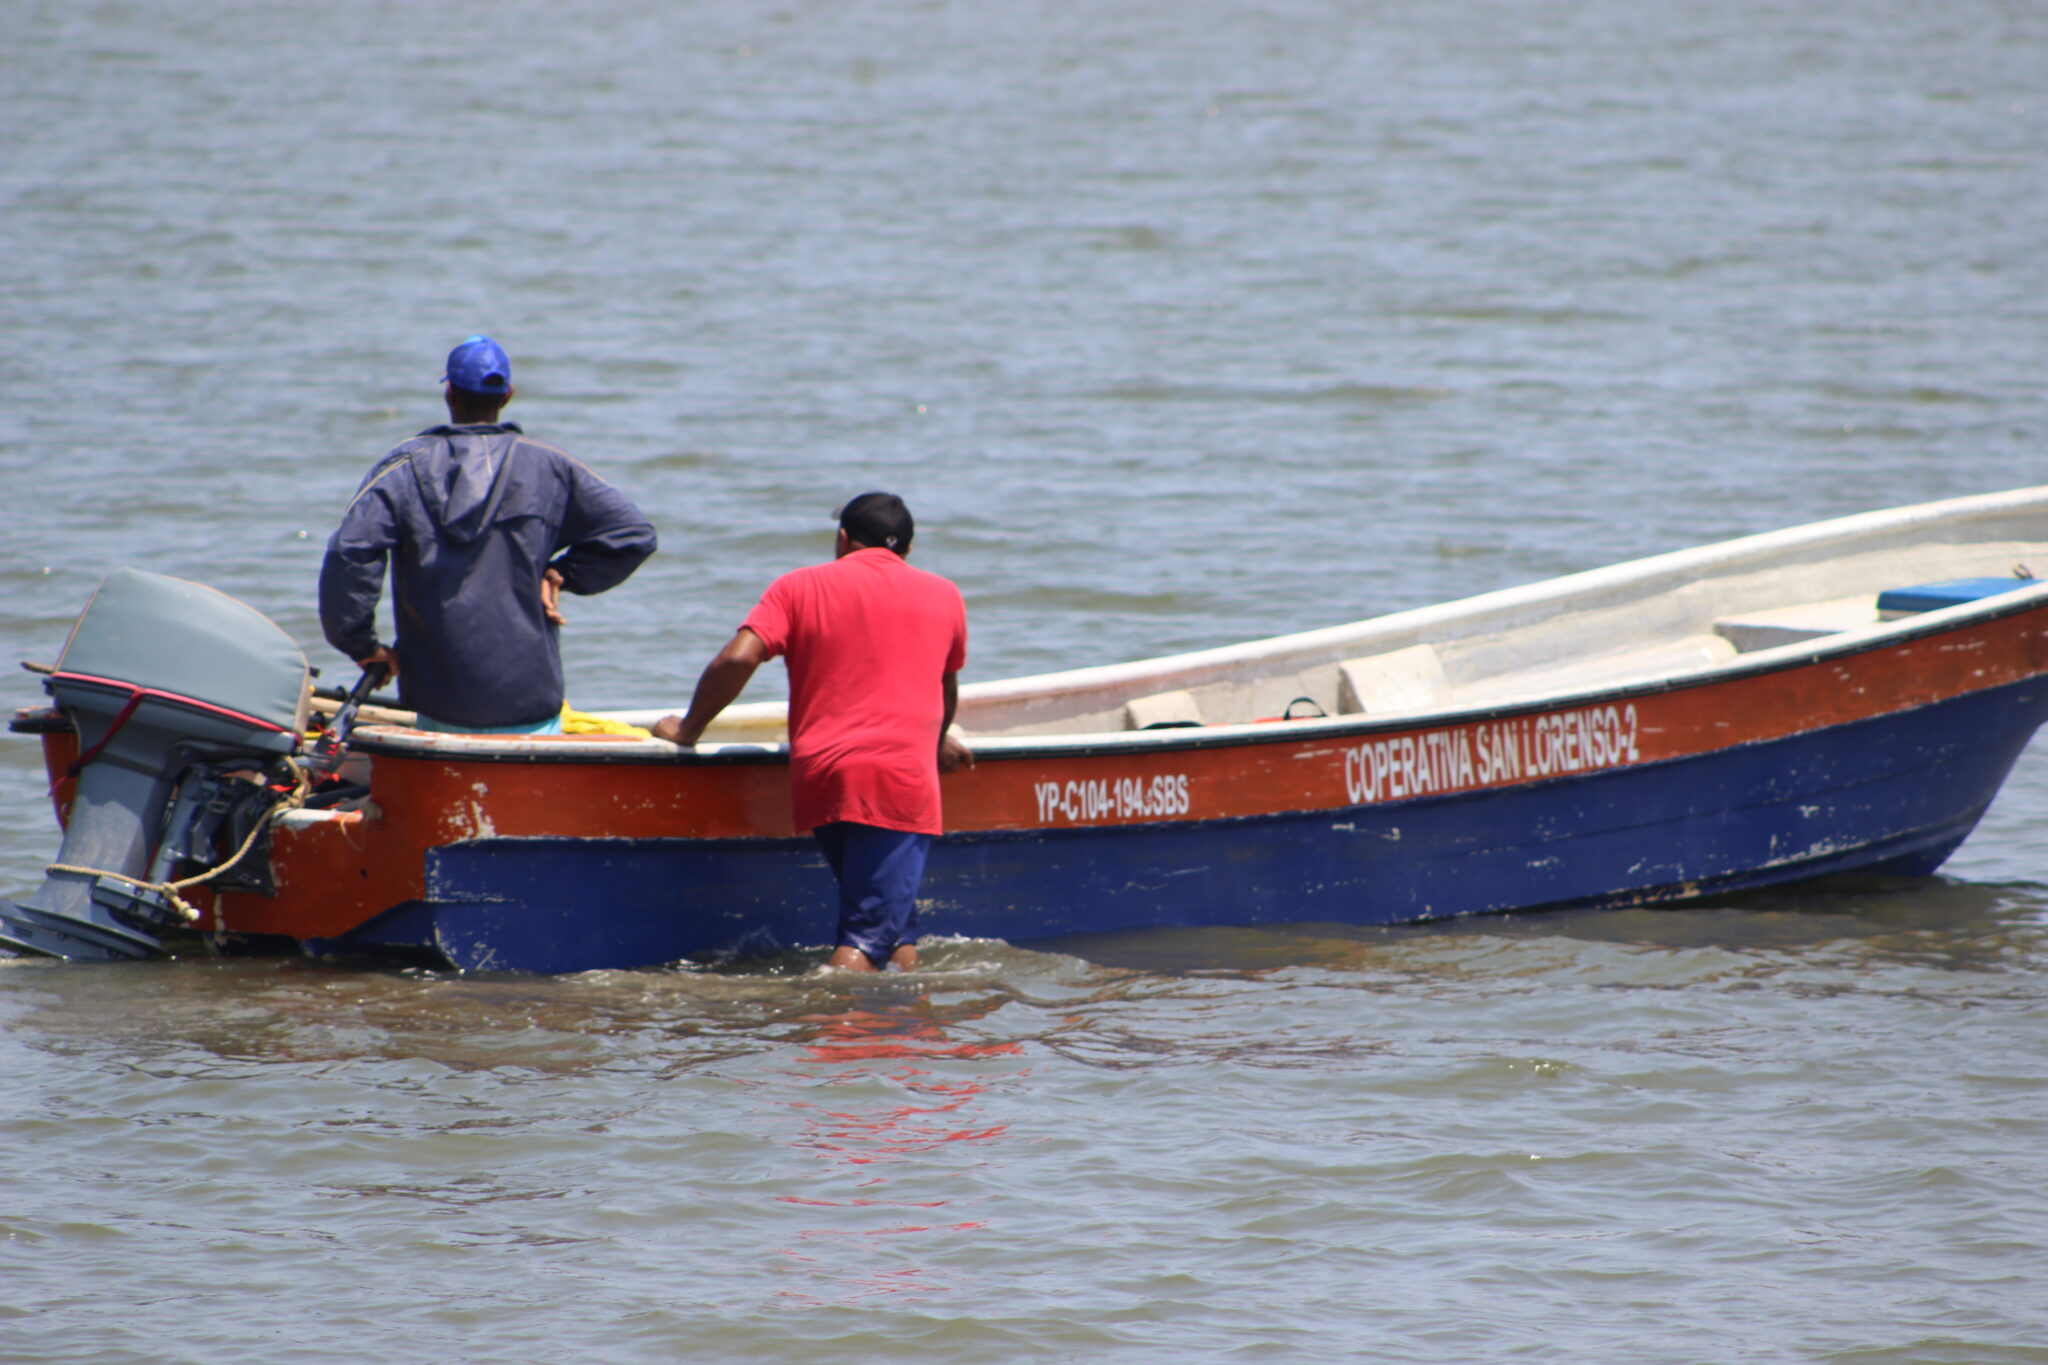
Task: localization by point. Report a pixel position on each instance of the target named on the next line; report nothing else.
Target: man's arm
(606, 536)
(952, 753)
(724, 678)
(352, 577)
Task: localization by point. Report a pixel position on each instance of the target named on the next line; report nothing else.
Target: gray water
(1177, 325)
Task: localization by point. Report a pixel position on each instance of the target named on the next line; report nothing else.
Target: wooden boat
(1842, 696)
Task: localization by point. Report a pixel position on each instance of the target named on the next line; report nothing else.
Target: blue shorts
(878, 872)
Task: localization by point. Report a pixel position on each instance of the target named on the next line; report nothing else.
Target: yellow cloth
(576, 722)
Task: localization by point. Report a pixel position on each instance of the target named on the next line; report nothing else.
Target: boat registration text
(1491, 753)
(1112, 798)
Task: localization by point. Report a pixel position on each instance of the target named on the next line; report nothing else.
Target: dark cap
(879, 520)
(479, 365)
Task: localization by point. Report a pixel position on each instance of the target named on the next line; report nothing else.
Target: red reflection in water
(870, 1052)
(933, 1116)
(859, 1203)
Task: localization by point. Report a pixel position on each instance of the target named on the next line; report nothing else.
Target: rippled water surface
(1177, 325)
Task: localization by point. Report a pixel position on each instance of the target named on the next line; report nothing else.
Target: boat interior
(1785, 594)
(1670, 617)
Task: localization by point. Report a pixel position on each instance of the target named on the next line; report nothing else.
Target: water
(1176, 324)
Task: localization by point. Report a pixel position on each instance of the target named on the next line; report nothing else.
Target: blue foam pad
(1934, 596)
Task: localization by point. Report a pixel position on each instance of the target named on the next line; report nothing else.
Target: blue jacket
(471, 516)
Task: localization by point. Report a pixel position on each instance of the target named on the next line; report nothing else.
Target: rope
(78, 764)
(169, 890)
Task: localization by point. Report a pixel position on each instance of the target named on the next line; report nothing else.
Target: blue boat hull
(1896, 794)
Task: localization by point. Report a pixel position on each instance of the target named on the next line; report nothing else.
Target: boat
(1846, 696)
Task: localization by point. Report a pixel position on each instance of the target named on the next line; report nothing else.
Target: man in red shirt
(874, 650)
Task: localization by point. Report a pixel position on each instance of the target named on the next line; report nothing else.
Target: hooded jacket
(470, 517)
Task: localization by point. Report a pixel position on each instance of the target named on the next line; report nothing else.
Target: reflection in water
(1934, 922)
(225, 1019)
(1302, 1110)
(893, 1100)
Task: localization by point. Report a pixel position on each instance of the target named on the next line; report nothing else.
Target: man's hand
(671, 729)
(551, 597)
(381, 655)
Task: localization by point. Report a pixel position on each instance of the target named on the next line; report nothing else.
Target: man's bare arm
(724, 678)
(952, 753)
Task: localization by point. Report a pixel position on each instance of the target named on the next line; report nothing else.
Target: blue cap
(479, 365)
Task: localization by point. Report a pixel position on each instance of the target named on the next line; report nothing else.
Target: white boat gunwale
(573, 749)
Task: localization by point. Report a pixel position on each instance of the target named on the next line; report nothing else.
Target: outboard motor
(188, 706)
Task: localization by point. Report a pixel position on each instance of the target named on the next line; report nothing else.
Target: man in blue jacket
(484, 528)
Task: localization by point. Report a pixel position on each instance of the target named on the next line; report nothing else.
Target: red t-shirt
(868, 641)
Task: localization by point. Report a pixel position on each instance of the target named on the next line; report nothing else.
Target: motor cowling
(188, 706)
